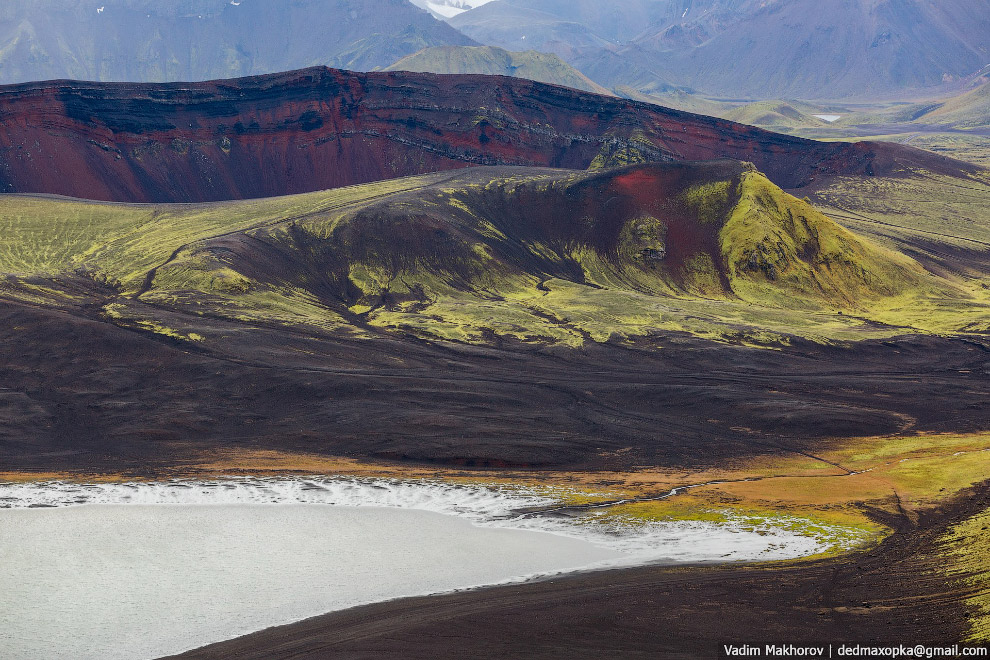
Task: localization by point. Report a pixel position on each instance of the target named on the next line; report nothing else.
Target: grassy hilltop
(493, 61)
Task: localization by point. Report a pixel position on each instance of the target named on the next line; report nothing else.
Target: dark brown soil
(79, 393)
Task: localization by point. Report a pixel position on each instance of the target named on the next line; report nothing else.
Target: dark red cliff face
(321, 128)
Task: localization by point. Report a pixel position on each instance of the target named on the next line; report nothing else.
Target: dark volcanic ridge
(321, 128)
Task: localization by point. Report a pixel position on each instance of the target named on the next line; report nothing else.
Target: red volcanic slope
(320, 128)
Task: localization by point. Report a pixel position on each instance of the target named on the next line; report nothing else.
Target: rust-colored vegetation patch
(845, 484)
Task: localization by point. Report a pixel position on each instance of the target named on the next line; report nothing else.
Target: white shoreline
(614, 546)
(484, 506)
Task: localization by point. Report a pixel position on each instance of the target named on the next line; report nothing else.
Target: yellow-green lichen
(967, 549)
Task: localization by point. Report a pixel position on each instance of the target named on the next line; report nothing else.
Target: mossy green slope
(485, 255)
(50, 236)
(781, 250)
(967, 547)
(944, 223)
(494, 61)
(64, 251)
(776, 115)
(967, 111)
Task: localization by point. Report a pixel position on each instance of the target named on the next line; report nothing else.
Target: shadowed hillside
(321, 128)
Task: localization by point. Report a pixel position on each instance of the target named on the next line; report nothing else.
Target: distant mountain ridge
(189, 40)
(518, 28)
(753, 49)
(490, 60)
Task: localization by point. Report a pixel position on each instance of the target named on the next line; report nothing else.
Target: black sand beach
(891, 594)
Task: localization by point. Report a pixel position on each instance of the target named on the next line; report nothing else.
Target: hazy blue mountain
(519, 28)
(619, 22)
(154, 41)
(828, 48)
(753, 48)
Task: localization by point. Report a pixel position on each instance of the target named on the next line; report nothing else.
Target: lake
(145, 570)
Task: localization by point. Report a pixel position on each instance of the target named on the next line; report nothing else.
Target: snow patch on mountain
(449, 8)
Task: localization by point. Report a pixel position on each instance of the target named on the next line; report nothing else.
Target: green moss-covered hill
(966, 111)
(494, 61)
(487, 254)
(776, 115)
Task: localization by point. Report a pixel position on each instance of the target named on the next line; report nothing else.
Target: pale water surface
(108, 571)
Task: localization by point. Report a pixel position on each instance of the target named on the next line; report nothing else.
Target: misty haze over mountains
(833, 49)
(750, 48)
(151, 41)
